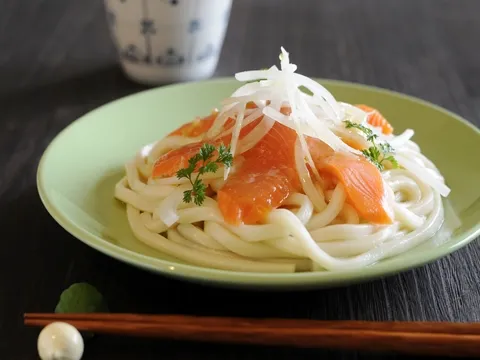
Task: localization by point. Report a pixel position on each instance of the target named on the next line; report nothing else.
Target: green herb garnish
(377, 153)
(370, 135)
(81, 298)
(197, 193)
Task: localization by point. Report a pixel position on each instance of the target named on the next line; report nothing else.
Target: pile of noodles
(315, 229)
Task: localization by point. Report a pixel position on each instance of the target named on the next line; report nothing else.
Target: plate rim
(235, 278)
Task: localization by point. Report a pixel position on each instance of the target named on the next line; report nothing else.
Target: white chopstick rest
(60, 340)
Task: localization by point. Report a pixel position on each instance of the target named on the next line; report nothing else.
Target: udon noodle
(314, 229)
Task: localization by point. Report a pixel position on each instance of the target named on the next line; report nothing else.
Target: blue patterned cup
(162, 41)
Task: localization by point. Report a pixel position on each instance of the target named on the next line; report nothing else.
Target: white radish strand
(309, 188)
(250, 140)
(167, 210)
(235, 136)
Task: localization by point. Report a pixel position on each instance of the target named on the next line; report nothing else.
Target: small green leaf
(81, 298)
(210, 167)
(187, 196)
(393, 161)
(225, 156)
(387, 148)
(193, 161)
(370, 135)
(183, 173)
(206, 151)
(199, 191)
(373, 154)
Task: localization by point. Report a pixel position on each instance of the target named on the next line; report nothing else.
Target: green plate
(78, 171)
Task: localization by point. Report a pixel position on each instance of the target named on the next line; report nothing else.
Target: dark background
(57, 63)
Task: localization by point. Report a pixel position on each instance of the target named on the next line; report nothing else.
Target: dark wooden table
(57, 62)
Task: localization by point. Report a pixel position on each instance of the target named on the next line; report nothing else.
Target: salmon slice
(200, 126)
(268, 174)
(266, 178)
(361, 179)
(196, 127)
(169, 163)
(375, 118)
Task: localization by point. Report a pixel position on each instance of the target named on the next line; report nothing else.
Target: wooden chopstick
(427, 338)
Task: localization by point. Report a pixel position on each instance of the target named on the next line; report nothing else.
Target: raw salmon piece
(266, 178)
(362, 180)
(248, 197)
(268, 175)
(169, 163)
(364, 186)
(196, 127)
(200, 126)
(375, 118)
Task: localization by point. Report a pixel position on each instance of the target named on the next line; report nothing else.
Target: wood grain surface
(57, 62)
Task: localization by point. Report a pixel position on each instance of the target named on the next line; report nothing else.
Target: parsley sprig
(205, 155)
(377, 153)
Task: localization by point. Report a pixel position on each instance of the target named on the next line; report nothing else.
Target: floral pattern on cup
(171, 58)
(168, 40)
(194, 26)
(144, 53)
(206, 53)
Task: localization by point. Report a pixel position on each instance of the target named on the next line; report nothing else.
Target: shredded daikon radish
(236, 135)
(250, 140)
(400, 140)
(315, 196)
(283, 87)
(167, 210)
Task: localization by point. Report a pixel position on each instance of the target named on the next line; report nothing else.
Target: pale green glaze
(77, 173)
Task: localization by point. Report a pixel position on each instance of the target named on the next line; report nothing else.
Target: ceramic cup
(162, 41)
